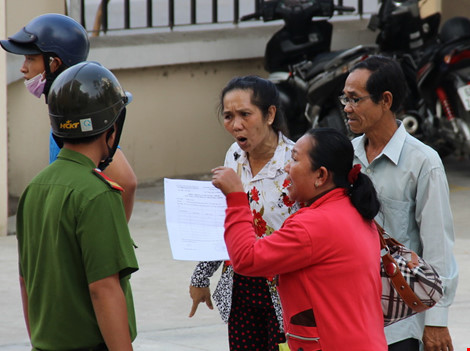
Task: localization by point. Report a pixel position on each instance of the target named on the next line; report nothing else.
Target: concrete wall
(20, 12)
(430, 7)
(448, 8)
(3, 130)
(451, 8)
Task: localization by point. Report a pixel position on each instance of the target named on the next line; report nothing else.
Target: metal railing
(112, 15)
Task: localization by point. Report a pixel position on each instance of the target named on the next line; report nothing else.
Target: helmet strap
(47, 61)
(50, 76)
(112, 150)
(58, 140)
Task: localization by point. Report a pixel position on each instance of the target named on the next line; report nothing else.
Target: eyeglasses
(353, 101)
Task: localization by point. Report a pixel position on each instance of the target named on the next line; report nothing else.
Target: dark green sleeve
(103, 234)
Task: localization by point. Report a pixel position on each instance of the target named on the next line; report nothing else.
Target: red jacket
(328, 260)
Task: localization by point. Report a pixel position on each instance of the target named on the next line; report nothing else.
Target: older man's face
(363, 114)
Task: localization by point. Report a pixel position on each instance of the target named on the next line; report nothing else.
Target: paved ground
(161, 285)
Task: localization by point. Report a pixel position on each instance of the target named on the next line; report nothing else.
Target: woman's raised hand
(226, 180)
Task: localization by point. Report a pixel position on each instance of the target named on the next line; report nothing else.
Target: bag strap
(394, 273)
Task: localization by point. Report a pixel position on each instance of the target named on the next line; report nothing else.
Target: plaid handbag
(409, 284)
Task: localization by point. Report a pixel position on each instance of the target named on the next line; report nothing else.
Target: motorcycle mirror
(344, 8)
(250, 17)
(374, 22)
(399, 11)
(269, 11)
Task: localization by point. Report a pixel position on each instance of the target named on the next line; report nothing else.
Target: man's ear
(112, 136)
(55, 63)
(387, 99)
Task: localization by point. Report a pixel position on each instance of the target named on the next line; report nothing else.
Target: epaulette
(112, 184)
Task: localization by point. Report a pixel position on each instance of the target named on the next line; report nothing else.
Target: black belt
(100, 347)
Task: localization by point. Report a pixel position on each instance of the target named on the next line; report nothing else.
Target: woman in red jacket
(326, 256)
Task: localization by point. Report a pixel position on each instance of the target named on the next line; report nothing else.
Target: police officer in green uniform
(76, 254)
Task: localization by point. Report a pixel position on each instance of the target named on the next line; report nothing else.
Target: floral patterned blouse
(270, 206)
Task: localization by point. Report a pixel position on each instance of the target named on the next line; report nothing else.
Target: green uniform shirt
(72, 231)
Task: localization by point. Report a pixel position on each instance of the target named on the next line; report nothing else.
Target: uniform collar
(77, 157)
(392, 150)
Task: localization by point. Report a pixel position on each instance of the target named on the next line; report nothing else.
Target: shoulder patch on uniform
(112, 184)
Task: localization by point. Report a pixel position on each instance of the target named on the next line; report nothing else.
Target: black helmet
(454, 29)
(85, 100)
(54, 34)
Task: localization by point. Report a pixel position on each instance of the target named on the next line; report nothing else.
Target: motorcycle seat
(319, 63)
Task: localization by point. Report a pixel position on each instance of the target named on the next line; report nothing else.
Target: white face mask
(36, 85)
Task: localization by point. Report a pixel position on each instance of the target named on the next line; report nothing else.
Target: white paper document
(195, 214)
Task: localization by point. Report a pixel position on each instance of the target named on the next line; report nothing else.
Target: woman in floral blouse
(250, 107)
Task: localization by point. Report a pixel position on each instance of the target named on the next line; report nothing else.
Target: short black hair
(387, 75)
(82, 140)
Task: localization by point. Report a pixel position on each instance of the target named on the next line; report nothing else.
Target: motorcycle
(299, 53)
(310, 77)
(444, 83)
(437, 68)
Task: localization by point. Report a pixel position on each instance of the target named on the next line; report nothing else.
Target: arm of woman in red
(285, 250)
